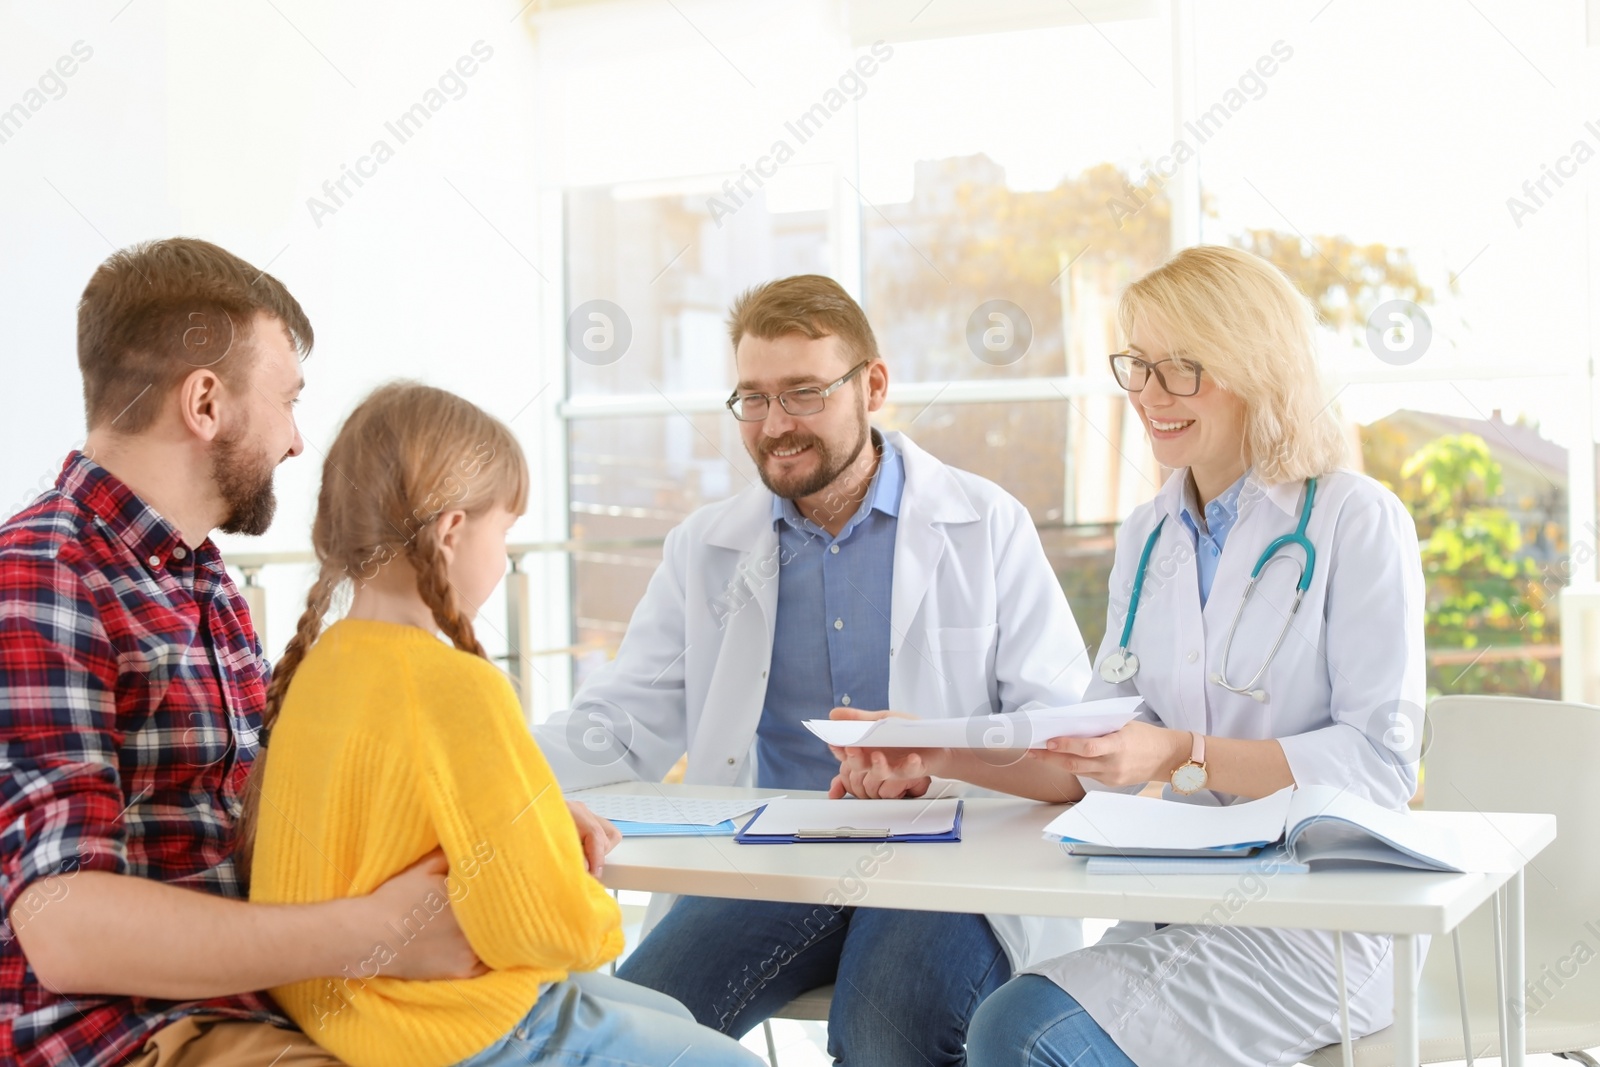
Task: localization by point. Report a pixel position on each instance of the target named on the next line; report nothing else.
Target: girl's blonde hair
(1252, 331)
(407, 454)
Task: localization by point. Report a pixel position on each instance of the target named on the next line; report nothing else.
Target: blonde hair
(1253, 332)
(407, 453)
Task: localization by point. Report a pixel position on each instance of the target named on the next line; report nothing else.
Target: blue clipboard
(835, 834)
(726, 828)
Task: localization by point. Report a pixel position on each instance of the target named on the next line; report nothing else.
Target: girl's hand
(880, 773)
(1138, 753)
(598, 835)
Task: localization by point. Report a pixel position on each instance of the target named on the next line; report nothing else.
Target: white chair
(807, 1007)
(1492, 753)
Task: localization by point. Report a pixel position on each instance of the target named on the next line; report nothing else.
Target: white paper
(688, 811)
(1013, 730)
(894, 816)
(1118, 820)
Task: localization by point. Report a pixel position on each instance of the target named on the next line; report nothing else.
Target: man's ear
(449, 528)
(199, 398)
(877, 373)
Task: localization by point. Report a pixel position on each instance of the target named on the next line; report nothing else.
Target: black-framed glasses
(1182, 378)
(806, 400)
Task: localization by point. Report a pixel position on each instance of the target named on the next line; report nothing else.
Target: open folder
(788, 822)
(1011, 730)
(1318, 825)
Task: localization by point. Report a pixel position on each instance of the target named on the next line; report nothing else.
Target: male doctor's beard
(831, 462)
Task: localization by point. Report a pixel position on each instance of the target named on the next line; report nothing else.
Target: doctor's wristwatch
(1190, 777)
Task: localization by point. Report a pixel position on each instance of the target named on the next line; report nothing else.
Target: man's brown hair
(808, 304)
(156, 311)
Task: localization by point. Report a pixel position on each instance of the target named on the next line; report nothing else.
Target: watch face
(1190, 778)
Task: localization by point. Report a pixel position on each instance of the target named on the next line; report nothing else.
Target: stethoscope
(1122, 665)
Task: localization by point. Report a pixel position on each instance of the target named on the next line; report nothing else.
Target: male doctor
(862, 574)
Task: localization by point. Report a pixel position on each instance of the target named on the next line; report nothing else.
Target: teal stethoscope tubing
(1122, 665)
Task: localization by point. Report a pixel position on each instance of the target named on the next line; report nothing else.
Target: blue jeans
(1032, 1022)
(600, 1020)
(907, 981)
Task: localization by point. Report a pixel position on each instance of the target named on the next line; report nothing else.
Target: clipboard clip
(842, 831)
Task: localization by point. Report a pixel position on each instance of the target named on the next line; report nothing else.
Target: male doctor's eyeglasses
(1180, 378)
(806, 400)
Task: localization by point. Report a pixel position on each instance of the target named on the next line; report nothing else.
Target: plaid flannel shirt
(131, 688)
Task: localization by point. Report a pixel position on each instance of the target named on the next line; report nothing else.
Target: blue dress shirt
(831, 639)
(1220, 515)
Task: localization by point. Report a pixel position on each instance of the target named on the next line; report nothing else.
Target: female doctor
(1311, 672)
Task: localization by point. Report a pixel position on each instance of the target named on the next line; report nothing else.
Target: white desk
(1003, 865)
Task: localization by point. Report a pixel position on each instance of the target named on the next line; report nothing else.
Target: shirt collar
(883, 492)
(1220, 513)
(147, 534)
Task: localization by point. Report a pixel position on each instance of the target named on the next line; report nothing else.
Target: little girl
(388, 743)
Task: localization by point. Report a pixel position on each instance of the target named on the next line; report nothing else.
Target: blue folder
(1268, 861)
(824, 834)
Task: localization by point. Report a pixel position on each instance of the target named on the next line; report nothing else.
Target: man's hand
(439, 949)
(880, 773)
(598, 835)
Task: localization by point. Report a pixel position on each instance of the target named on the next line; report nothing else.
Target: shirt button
(180, 552)
(730, 761)
(845, 700)
(763, 674)
(1193, 656)
(838, 624)
(834, 549)
(154, 561)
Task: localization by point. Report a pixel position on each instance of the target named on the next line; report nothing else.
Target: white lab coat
(977, 621)
(1210, 995)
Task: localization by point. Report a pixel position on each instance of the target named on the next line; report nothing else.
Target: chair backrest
(1494, 753)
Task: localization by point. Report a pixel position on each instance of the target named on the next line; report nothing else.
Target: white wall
(221, 121)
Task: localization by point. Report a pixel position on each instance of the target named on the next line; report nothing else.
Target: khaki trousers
(207, 1040)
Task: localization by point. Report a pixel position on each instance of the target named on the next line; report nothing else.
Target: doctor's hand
(597, 834)
(1136, 754)
(878, 773)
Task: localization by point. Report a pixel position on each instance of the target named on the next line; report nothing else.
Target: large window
(1458, 348)
(986, 178)
(966, 212)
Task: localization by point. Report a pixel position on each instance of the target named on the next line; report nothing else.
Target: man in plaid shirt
(131, 687)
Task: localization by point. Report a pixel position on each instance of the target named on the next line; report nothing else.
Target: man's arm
(1040, 660)
(94, 931)
(84, 922)
(629, 722)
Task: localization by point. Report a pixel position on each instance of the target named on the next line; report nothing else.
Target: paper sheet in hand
(1014, 729)
(685, 811)
(897, 817)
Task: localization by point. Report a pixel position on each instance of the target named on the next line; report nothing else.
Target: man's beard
(245, 486)
(831, 462)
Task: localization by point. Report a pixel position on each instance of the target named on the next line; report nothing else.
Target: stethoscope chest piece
(1119, 666)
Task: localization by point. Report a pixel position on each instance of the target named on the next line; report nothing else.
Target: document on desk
(1014, 729)
(638, 815)
(1319, 825)
(794, 821)
(1132, 824)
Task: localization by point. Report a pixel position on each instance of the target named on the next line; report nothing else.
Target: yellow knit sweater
(391, 743)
